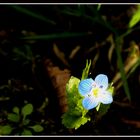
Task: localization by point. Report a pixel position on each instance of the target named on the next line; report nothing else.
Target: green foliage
(74, 121)
(27, 110)
(72, 91)
(5, 130)
(56, 36)
(111, 89)
(121, 67)
(26, 121)
(18, 120)
(99, 7)
(33, 14)
(13, 117)
(37, 128)
(76, 114)
(86, 70)
(135, 18)
(16, 110)
(26, 132)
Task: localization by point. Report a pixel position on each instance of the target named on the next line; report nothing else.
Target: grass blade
(57, 36)
(121, 67)
(33, 14)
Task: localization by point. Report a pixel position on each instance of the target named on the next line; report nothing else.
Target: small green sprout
(19, 123)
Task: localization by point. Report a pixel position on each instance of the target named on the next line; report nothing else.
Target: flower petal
(85, 86)
(105, 98)
(89, 102)
(102, 81)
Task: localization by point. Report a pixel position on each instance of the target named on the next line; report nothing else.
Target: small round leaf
(27, 110)
(37, 128)
(5, 130)
(16, 110)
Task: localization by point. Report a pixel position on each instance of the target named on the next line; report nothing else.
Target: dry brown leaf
(74, 52)
(112, 47)
(59, 79)
(60, 55)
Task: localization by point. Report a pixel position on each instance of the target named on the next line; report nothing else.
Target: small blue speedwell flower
(95, 91)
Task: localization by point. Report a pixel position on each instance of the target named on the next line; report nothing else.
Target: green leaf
(98, 7)
(16, 110)
(76, 114)
(26, 132)
(13, 117)
(135, 18)
(71, 121)
(111, 89)
(33, 14)
(98, 106)
(118, 42)
(86, 70)
(27, 110)
(5, 130)
(72, 85)
(26, 122)
(37, 128)
(57, 36)
(72, 91)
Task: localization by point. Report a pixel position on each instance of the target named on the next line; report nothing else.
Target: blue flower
(95, 91)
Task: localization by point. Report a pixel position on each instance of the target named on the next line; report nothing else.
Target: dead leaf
(74, 52)
(60, 55)
(59, 79)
